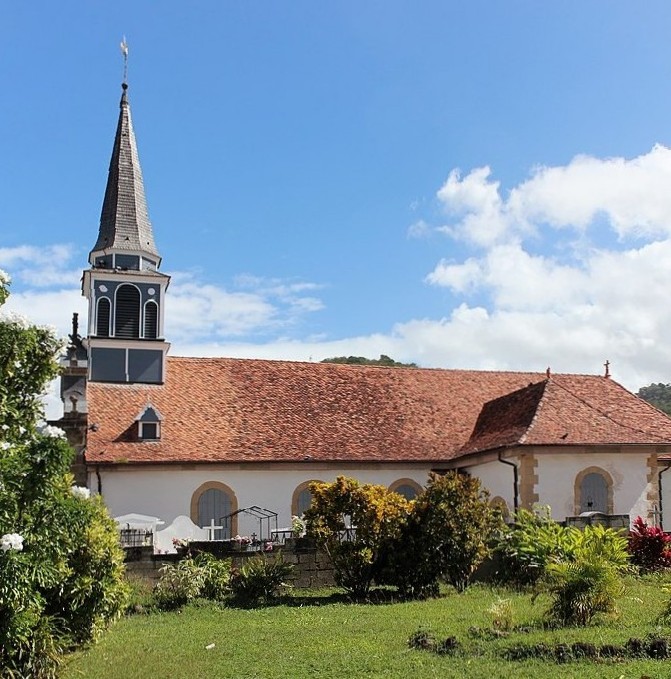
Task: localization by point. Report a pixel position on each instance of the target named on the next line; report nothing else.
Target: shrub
(260, 580)
(445, 536)
(649, 546)
(141, 596)
(581, 589)
(535, 540)
(524, 549)
(61, 567)
(587, 579)
(179, 584)
(216, 576)
(377, 515)
(502, 615)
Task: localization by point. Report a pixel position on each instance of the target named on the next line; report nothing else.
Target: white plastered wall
(498, 479)
(557, 473)
(167, 492)
(665, 482)
(629, 472)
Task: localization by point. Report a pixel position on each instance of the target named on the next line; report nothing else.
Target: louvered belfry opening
(127, 313)
(151, 320)
(103, 318)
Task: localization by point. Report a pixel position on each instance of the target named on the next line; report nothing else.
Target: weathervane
(124, 50)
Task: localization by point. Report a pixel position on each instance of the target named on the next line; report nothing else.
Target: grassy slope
(359, 640)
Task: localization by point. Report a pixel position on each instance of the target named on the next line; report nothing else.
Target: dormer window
(149, 424)
(149, 431)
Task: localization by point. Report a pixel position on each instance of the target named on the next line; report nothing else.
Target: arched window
(408, 488)
(594, 491)
(150, 320)
(103, 318)
(497, 502)
(302, 498)
(215, 501)
(127, 312)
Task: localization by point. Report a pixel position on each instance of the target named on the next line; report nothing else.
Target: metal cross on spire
(124, 50)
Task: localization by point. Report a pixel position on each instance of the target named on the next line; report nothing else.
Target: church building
(205, 437)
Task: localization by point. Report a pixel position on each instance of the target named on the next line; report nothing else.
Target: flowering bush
(649, 546)
(52, 432)
(61, 567)
(11, 541)
(297, 526)
(243, 539)
(81, 492)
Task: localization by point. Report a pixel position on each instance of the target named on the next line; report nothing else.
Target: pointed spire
(124, 220)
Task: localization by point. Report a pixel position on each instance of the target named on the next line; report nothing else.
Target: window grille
(103, 319)
(151, 320)
(127, 313)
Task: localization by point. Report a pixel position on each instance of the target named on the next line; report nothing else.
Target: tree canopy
(658, 395)
(383, 361)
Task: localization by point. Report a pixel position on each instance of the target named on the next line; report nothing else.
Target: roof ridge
(607, 415)
(537, 413)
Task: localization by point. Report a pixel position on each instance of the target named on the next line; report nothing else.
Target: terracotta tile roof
(568, 410)
(238, 410)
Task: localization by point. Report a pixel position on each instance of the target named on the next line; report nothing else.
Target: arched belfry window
(103, 317)
(150, 320)
(127, 312)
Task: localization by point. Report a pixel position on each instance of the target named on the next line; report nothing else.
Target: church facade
(205, 437)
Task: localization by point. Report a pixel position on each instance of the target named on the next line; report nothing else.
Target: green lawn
(319, 637)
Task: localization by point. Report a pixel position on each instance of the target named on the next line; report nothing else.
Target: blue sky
(468, 185)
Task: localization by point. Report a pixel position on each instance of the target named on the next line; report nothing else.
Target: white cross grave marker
(210, 530)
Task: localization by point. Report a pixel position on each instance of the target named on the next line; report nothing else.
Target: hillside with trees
(659, 395)
(383, 361)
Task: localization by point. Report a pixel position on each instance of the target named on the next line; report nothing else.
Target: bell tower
(123, 285)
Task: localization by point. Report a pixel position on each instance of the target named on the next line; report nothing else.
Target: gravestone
(182, 528)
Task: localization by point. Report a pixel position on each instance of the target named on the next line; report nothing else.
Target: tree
(61, 566)
(658, 395)
(373, 513)
(447, 535)
(383, 361)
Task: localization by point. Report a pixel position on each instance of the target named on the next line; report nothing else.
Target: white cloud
(40, 267)
(195, 310)
(419, 229)
(633, 195)
(548, 296)
(477, 201)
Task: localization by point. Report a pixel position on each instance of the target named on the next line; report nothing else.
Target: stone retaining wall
(312, 567)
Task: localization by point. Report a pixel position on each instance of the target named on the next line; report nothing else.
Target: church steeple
(125, 290)
(124, 220)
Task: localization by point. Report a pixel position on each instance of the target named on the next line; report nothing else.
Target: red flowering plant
(649, 546)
